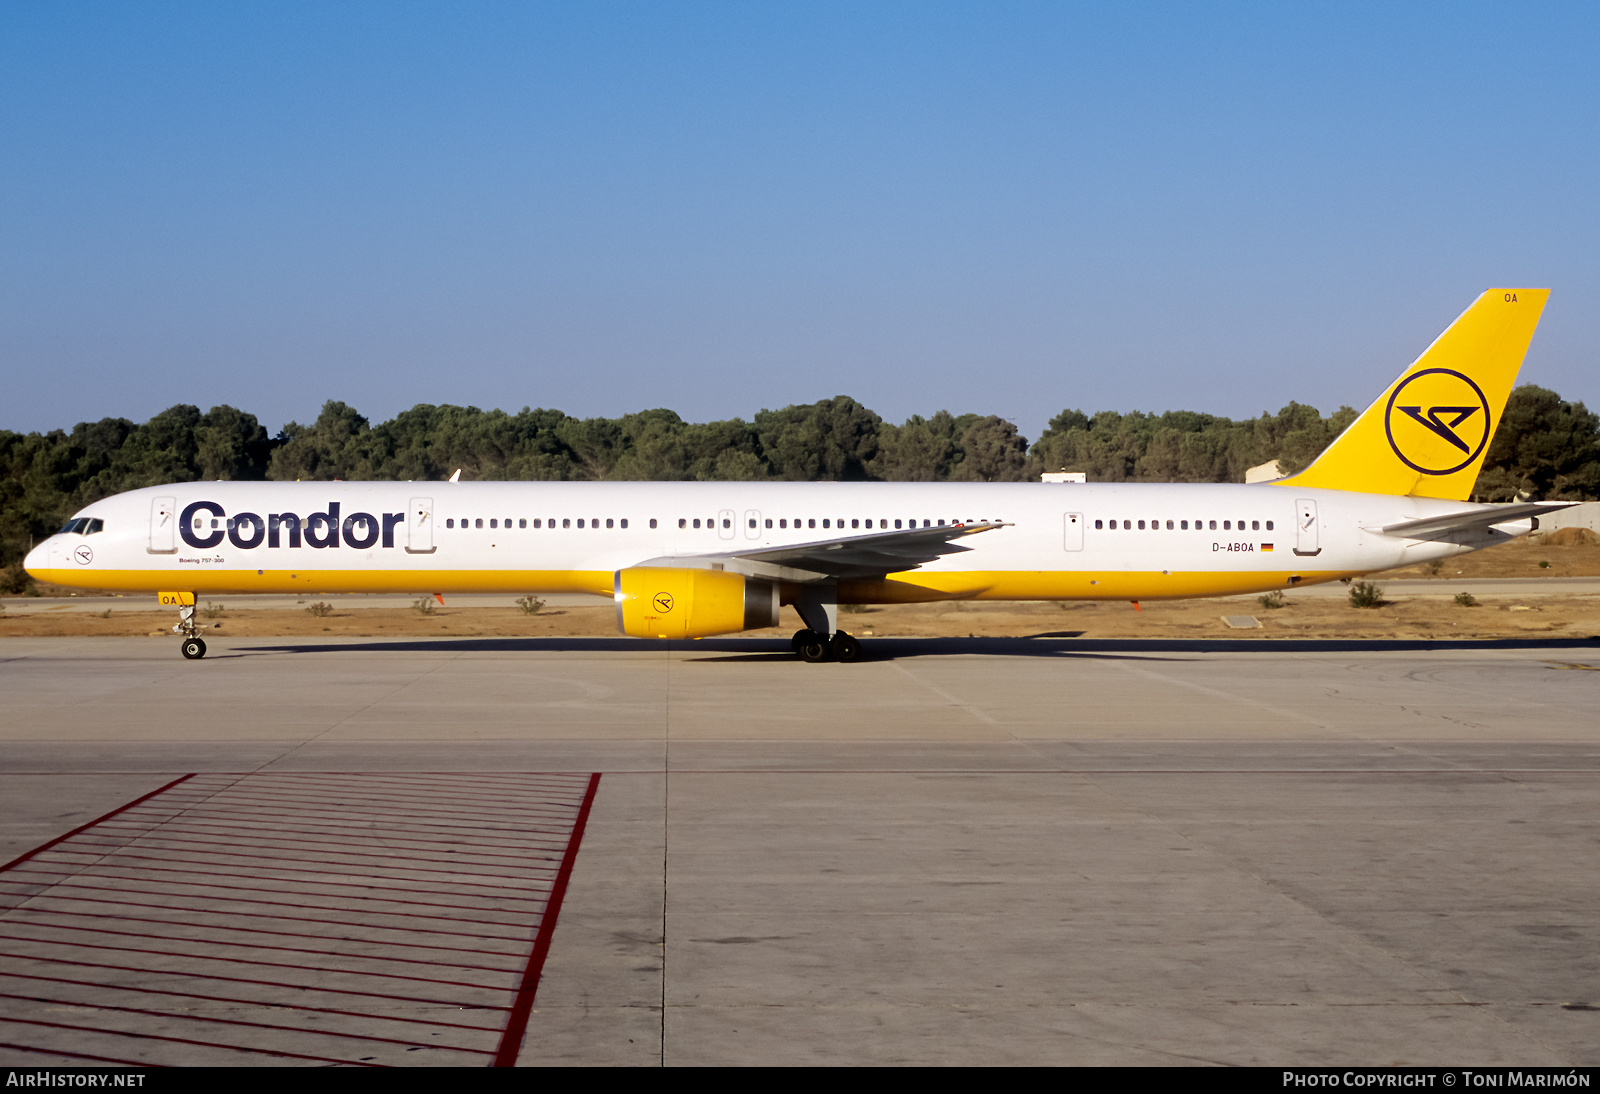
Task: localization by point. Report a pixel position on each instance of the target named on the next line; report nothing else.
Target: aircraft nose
(38, 558)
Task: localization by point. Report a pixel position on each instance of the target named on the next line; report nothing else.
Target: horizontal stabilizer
(1472, 519)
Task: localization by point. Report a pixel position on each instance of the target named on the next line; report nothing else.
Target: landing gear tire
(845, 648)
(815, 648)
(801, 638)
(194, 648)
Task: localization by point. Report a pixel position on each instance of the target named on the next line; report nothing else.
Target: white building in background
(1265, 472)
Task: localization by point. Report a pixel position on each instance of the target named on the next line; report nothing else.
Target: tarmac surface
(956, 851)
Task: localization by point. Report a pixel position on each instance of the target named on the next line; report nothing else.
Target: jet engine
(674, 602)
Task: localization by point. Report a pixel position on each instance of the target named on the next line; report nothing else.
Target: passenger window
(697, 522)
(1269, 526)
(608, 522)
(682, 522)
(1141, 526)
(1255, 526)
(1099, 524)
(1213, 526)
(478, 522)
(451, 523)
(566, 522)
(812, 523)
(538, 522)
(768, 522)
(825, 523)
(522, 522)
(1183, 526)
(726, 523)
(783, 522)
(493, 523)
(1226, 527)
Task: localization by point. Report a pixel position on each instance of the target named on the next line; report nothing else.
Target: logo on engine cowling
(663, 602)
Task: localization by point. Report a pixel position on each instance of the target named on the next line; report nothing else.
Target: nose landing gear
(193, 646)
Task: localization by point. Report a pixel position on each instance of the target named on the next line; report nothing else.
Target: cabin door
(1073, 538)
(1306, 528)
(163, 526)
(419, 527)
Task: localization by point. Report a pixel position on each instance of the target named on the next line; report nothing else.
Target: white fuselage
(1062, 541)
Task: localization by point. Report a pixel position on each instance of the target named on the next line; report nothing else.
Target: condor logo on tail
(1434, 405)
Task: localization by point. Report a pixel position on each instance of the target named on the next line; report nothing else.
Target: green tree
(1545, 446)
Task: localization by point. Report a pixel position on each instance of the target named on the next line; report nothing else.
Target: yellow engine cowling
(673, 602)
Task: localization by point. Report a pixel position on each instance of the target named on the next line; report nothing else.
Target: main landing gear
(813, 647)
(193, 646)
(818, 606)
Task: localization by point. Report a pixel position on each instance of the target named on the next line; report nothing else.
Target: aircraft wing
(1470, 519)
(863, 556)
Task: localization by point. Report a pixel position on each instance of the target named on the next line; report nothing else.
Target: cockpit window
(95, 525)
(83, 526)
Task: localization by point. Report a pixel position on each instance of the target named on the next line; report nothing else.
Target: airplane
(695, 559)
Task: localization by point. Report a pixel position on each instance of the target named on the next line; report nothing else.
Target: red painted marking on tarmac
(366, 1014)
(183, 1041)
(343, 954)
(189, 843)
(281, 881)
(279, 903)
(517, 1024)
(122, 850)
(511, 839)
(122, 918)
(20, 859)
(246, 961)
(123, 854)
(205, 826)
(242, 1022)
(73, 1056)
(220, 911)
(189, 974)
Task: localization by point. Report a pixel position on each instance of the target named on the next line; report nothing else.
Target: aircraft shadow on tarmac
(1052, 644)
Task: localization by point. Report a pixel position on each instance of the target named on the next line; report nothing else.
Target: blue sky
(1001, 208)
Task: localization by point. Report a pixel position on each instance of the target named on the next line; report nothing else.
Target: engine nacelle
(674, 602)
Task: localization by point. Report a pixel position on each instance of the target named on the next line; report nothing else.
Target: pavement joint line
(946, 696)
(1286, 715)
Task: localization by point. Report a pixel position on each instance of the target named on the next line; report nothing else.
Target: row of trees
(1544, 446)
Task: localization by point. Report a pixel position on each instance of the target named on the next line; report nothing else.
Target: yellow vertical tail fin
(1427, 434)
